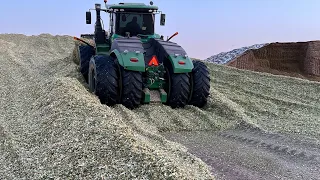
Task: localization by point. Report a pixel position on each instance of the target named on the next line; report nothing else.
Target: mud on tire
(85, 53)
(103, 79)
(131, 90)
(200, 79)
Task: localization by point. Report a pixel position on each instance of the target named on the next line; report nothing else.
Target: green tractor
(132, 65)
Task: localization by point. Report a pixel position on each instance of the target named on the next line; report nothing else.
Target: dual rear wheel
(112, 84)
(189, 88)
(115, 85)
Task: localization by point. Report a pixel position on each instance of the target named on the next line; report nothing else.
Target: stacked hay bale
(312, 59)
(299, 59)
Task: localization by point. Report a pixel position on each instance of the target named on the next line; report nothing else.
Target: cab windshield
(135, 23)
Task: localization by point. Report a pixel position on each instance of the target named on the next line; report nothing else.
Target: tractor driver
(133, 27)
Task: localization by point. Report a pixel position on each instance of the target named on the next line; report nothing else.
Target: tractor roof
(132, 6)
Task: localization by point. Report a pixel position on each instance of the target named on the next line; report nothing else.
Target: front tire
(103, 79)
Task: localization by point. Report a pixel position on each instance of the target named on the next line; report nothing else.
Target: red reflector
(134, 60)
(154, 61)
(181, 62)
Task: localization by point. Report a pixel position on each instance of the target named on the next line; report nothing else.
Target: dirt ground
(300, 59)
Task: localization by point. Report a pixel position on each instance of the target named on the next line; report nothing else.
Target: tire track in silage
(248, 152)
(293, 149)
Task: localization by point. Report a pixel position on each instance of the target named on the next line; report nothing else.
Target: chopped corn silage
(274, 103)
(51, 126)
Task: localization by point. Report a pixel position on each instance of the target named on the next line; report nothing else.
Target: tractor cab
(133, 19)
(130, 23)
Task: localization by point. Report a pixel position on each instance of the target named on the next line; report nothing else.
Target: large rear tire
(131, 89)
(85, 53)
(103, 79)
(178, 88)
(200, 79)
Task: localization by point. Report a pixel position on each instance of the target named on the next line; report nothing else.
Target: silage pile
(52, 127)
(273, 103)
(225, 57)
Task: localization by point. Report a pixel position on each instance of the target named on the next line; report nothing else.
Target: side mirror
(163, 20)
(88, 17)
